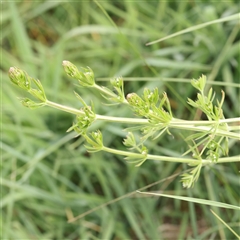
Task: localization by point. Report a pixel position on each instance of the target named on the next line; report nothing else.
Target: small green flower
(19, 78)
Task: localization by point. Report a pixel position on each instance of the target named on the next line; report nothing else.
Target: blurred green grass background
(47, 175)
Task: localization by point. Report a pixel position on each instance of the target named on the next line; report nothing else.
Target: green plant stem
(165, 79)
(107, 92)
(190, 160)
(64, 108)
(170, 159)
(174, 123)
(229, 159)
(205, 122)
(149, 156)
(104, 90)
(122, 119)
(209, 129)
(234, 128)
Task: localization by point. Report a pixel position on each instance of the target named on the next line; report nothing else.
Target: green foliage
(52, 188)
(150, 106)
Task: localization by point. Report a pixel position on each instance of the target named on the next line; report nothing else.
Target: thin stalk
(176, 124)
(218, 132)
(107, 92)
(104, 90)
(206, 122)
(170, 159)
(98, 117)
(234, 128)
(122, 119)
(149, 156)
(182, 80)
(229, 159)
(64, 108)
(190, 160)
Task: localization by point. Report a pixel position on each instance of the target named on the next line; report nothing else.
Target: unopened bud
(85, 77)
(70, 69)
(117, 82)
(19, 78)
(134, 100)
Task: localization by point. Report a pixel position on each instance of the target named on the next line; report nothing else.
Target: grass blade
(196, 27)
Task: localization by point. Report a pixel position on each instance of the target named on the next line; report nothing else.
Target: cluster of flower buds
(85, 121)
(140, 107)
(151, 107)
(21, 79)
(85, 77)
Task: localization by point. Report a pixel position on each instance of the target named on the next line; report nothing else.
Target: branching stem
(174, 123)
(170, 159)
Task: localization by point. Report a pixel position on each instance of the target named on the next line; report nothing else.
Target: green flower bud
(117, 82)
(212, 155)
(134, 100)
(97, 136)
(85, 77)
(70, 69)
(19, 78)
(89, 77)
(212, 145)
(86, 120)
